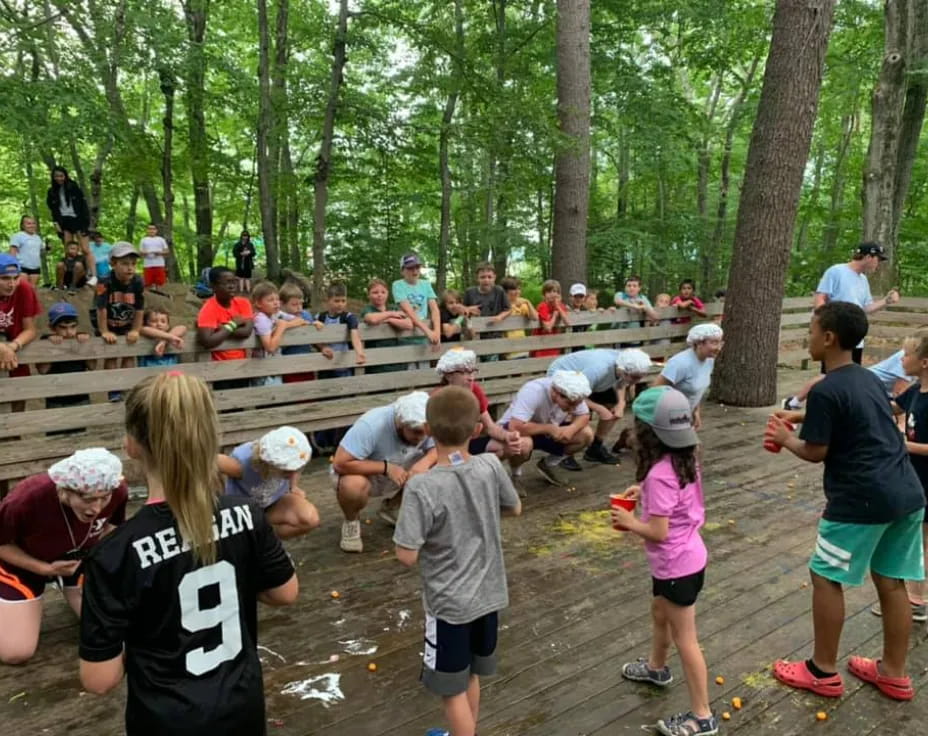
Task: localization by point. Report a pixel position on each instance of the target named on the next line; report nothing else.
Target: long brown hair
(172, 417)
(649, 450)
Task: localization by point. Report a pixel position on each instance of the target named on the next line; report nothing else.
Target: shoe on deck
(549, 473)
(437, 732)
(687, 724)
(599, 454)
(791, 403)
(797, 675)
(919, 611)
(351, 537)
(569, 463)
(868, 670)
(639, 671)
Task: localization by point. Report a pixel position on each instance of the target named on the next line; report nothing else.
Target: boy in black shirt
(120, 305)
(873, 514)
(913, 402)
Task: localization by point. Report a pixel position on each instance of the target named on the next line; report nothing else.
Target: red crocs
(796, 674)
(868, 670)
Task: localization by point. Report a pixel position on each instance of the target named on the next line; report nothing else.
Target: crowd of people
(170, 594)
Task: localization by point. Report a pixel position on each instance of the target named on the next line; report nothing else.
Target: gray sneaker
(549, 473)
(919, 611)
(686, 724)
(639, 671)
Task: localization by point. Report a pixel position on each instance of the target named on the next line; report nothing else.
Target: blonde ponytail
(172, 417)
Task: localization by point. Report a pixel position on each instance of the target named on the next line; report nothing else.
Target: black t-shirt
(915, 404)
(447, 318)
(868, 477)
(491, 303)
(189, 631)
(121, 301)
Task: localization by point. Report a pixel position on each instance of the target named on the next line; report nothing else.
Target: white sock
(552, 461)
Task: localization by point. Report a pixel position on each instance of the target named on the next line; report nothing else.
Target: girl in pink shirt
(672, 513)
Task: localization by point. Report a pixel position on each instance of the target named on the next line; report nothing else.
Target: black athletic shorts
(73, 225)
(454, 652)
(31, 271)
(680, 591)
(608, 398)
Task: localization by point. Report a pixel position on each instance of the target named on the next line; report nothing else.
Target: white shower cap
(90, 471)
(703, 332)
(409, 410)
(633, 361)
(456, 359)
(573, 384)
(286, 448)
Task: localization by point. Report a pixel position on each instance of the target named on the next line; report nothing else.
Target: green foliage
(664, 89)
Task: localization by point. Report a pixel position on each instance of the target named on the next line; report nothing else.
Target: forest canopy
(159, 110)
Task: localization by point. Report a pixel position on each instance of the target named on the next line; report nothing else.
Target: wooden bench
(25, 447)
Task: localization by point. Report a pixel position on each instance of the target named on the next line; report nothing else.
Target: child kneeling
(672, 513)
(268, 470)
(451, 514)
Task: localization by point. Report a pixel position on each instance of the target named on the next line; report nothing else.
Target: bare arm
(819, 299)
(100, 678)
(531, 429)
(654, 529)
(229, 466)
(511, 510)
(407, 556)
(344, 463)
(282, 595)
(358, 347)
(19, 558)
(805, 450)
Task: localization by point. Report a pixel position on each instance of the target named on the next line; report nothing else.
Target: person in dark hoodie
(71, 216)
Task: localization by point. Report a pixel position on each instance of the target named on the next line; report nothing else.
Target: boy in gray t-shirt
(450, 522)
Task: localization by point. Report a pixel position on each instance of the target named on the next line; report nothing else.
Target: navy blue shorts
(454, 652)
(478, 445)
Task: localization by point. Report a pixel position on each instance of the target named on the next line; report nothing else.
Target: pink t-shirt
(683, 552)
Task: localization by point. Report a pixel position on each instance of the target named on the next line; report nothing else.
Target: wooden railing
(333, 402)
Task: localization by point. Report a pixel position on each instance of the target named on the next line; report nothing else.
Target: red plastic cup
(618, 501)
(769, 444)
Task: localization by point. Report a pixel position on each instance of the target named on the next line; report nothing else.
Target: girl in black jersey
(170, 598)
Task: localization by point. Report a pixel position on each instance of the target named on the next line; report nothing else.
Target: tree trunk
(96, 181)
(913, 114)
(292, 205)
(572, 162)
(166, 80)
(839, 182)
(746, 371)
(444, 171)
(132, 217)
(621, 204)
(718, 233)
(888, 103)
(266, 178)
(324, 157)
(197, 15)
(815, 195)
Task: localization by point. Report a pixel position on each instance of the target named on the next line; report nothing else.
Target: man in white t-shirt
(153, 249)
(553, 412)
(376, 457)
(847, 282)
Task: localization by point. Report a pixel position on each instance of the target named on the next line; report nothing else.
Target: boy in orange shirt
(222, 317)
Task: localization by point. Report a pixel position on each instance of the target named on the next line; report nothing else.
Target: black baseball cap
(872, 249)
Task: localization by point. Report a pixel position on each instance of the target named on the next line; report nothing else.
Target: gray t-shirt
(451, 514)
(689, 375)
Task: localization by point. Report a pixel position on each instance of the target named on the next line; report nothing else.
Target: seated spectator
(487, 300)
(378, 312)
(19, 307)
(577, 306)
(453, 317)
(686, 300)
(291, 307)
(222, 317)
(62, 322)
(71, 271)
(270, 328)
(635, 302)
(552, 315)
(101, 253)
(519, 306)
(157, 326)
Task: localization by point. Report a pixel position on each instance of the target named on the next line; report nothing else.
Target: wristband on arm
(385, 468)
(230, 326)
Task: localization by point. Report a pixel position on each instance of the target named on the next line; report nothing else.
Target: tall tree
(572, 163)
(196, 13)
(746, 371)
(267, 162)
(444, 137)
(324, 157)
(167, 85)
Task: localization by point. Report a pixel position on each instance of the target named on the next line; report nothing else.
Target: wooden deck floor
(580, 598)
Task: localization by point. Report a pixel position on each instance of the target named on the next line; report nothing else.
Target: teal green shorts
(845, 553)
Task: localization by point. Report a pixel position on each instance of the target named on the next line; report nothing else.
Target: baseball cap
(872, 249)
(121, 249)
(409, 261)
(9, 266)
(59, 311)
(668, 413)
(578, 290)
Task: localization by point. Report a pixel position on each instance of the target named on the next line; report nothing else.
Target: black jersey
(189, 631)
